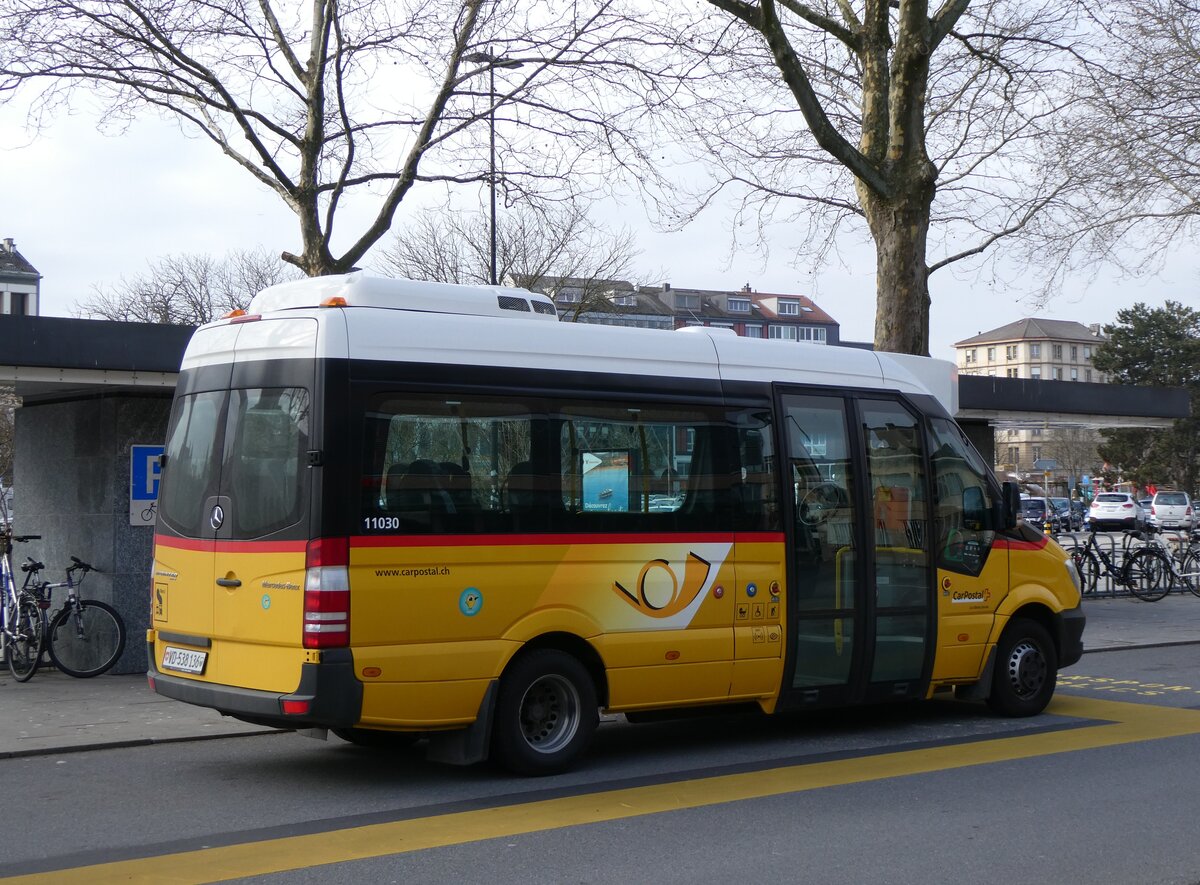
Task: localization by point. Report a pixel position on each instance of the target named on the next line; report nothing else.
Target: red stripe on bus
(1015, 544)
(208, 546)
(561, 539)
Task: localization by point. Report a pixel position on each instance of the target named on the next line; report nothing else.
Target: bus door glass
(183, 599)
(824, 600)
(899, 607)
(972, 575)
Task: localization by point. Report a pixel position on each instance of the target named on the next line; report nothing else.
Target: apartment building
(746, 312)
(1037, 349)
(20, 283)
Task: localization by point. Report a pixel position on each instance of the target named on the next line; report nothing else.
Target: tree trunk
(899, 227)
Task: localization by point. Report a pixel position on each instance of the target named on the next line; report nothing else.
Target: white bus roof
(415, 325)
(360, 290)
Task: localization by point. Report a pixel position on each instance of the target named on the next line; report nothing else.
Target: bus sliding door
(858, 612)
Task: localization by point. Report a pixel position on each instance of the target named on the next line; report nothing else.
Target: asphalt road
(1101, 789)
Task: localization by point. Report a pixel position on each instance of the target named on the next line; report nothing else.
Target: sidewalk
(54, 713)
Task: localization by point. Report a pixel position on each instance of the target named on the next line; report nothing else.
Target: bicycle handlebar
(31, 565)
(81, 565)
(24, 538)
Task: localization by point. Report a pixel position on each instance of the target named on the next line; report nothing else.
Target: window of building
(1012, 373)
(991, 354)
(1035, 351)
(1037, 431)
(1037, 453)
(568, 296)
(811, 333)
(1087, 375)
(687, 302)
(785, 333)
(1012, 455)
(754, 331)
(1087, 353)
(1074, 374)
(738, 305)
(1035, 372)
(789, 308)
(20, 303)
(625, 300)
(972, 355)
(1074, 353)
(1057, 351)
(1057, 373)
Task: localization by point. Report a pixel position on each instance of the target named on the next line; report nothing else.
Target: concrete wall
(72, 484)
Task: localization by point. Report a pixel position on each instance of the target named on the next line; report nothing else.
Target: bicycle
(1181, 565)
(1142, 572)
(85, 637)
(22, 623)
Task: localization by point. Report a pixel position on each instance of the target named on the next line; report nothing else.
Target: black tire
(1147, 574)
(1026, 670)
(23, 650)
(1088, 566)
(1191, 571)
(546, 713)
(89, 648)
(378, 740)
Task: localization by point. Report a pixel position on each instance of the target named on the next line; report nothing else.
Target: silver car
(1116, 510)
(1171, 510)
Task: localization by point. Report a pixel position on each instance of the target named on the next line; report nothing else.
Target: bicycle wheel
(1147, 573)
(23, 652)
(86, 640)
(1190, 571)
(1088, 566)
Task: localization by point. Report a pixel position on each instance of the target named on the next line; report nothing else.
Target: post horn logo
(658, 592)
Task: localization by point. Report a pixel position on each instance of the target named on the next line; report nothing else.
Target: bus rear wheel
(1026, 670)
(546, 713)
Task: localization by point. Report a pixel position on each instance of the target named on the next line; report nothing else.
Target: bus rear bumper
(328, 695)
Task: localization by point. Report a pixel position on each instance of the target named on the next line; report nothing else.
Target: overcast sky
(86, 208)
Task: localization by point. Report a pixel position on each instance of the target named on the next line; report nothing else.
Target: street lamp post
(493, 62)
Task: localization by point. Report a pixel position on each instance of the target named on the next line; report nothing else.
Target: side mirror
(1010, 505)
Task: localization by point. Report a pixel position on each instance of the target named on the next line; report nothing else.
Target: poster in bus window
(606, 479)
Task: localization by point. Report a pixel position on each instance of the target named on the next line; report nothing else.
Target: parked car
(1068, 517)
(1041, 513)
(1172, 510)
(1116, 510)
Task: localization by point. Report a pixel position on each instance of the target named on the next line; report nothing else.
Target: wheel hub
(1027, 669)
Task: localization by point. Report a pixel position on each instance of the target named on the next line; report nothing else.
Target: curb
(133, 742)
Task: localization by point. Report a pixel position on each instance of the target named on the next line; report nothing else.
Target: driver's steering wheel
(819, 503)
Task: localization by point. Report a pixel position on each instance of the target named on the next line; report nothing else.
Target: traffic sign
(144, 468)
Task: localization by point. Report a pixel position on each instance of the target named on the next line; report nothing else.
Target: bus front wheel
(546, 713)
(1026, 670)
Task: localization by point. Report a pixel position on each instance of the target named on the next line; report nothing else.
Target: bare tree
(1075, 450)
(328, 103)
(917, 122)
(187, 290)
(1132, 140)
(531, 246)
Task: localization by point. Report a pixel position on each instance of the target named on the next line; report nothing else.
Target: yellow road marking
(1125, 723)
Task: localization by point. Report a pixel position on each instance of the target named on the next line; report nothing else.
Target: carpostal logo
(659, 593)
(970, 596)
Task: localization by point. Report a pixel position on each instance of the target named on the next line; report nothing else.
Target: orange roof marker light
(334, 301)
(238, 312)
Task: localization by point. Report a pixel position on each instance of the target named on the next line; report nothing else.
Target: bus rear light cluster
(327, 593)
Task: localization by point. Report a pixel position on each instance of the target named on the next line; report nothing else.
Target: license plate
(184, 660)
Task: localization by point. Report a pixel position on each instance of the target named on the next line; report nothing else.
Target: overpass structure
(94, 390)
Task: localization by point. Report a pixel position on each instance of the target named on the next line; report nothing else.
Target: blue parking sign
(144, 466)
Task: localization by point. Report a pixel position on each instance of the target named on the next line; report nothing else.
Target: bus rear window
(265, 467)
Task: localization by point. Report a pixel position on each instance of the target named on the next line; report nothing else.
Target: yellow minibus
(409, 511)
